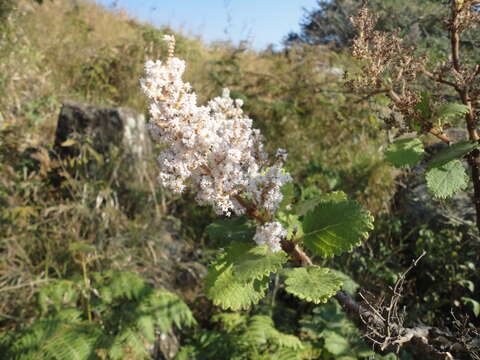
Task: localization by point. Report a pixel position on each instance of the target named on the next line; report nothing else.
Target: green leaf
(292, 223)
(452, 152)
(71, 341)
(405, 152)
(256, 262)
(225, 231)
(224, 286)
(305, 206)
(474, 304)
(451, 110)
(446, 180)
(312, 283)
(348, 284)
(336, 226)
(424, 106)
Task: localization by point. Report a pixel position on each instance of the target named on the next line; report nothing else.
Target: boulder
(103, 128)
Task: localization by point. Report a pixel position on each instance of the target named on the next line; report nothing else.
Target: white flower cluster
(212, 147)
(270, 234)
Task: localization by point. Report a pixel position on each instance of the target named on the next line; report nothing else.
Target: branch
(295, 251)
(455, 37)
(440, 135)
(251, 211)
(432, 342)
(441, 80)
(370, 94)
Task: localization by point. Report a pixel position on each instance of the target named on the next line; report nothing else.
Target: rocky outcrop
(103, 128)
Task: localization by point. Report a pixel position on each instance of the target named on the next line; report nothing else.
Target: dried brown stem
(296, 253)
(463, 91)
(441, 80)
(455, 37)
(373, 93)
(251, 210)
(437, 133)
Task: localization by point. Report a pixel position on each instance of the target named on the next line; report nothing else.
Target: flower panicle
(212, 148)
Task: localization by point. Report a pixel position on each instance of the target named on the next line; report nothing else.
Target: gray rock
(104, 128)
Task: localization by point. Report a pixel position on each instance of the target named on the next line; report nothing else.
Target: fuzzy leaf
(223, 286)
(474, 304)
(225, 231)
(446, 180)
(305, 206)
(314, 284)
(455, 151)
(336, 226)
(348, 284)
(256, 262)
(405, 152)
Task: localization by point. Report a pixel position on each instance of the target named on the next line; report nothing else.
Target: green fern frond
(261, 330)
(230, 321)
(170, 310)
(57, 295)
(129, 318)
(72, 342)
(120, 284)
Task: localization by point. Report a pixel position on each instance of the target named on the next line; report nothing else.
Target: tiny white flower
(270, 234)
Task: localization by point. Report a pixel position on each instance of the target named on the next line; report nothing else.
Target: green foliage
(237, 336)
(335, 226)
(441, 114)
(448, 179)
(127, 313)
(451, 111)
(222, 232)
(405, 152)
(258, 262)
(313, 284)
(452, 152)
(329, 326)
(348, 284)
(303, 207)
(262, 330)
(292, 223)
(238, 278)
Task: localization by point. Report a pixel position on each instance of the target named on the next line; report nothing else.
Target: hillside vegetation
(70, 229)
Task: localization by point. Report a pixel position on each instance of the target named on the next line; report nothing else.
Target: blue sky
(260, 21)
